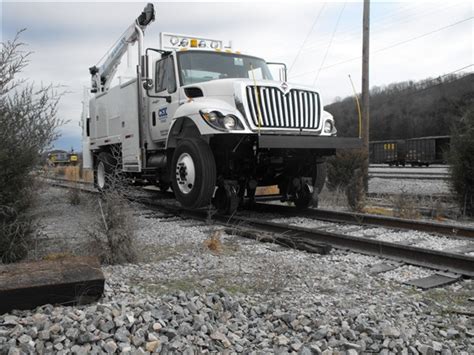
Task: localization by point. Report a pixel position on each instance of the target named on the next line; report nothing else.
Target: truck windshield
(197, 67)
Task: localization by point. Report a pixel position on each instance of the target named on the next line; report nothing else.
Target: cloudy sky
(321, 42)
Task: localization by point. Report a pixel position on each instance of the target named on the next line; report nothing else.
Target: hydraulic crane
(103, 75)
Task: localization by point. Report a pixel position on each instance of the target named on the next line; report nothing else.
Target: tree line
(409, 109)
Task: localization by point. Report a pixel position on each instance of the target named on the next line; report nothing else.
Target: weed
(214, 243)
(112, 235)
(74, 196)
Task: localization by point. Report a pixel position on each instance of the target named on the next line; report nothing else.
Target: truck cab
(213, 125)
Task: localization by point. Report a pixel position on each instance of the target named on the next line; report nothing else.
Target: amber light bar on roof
(171, 41)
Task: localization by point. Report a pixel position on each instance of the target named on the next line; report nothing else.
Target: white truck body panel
(86, 152)
(114, 119)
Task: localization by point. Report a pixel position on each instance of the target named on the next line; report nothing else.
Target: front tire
(193, 173)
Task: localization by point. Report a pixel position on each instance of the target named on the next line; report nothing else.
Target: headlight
(210, 116)
(328, 126)
(222, 122)
(229, 122)
(184, 42)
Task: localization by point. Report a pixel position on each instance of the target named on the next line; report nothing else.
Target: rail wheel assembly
(226, 199)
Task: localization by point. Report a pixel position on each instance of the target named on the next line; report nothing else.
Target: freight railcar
(424, 151)
(391, 152)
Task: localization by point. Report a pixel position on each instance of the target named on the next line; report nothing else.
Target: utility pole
(365, 89)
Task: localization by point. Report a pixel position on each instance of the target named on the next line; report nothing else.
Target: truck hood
(229, 87)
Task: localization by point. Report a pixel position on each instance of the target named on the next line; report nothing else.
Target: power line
(330, 42)
(349, 33)
(383, 24)
(388, 47)
(307, 37)
(439, 78)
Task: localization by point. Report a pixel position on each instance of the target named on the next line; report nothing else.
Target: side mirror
(282, 70)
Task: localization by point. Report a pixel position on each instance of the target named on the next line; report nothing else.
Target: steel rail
(367, 219)
(433, 259)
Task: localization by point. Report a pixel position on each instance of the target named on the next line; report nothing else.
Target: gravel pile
(195, 322)
(248, 297)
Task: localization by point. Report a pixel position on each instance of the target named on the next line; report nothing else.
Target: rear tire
(104, 171)
(193, 173)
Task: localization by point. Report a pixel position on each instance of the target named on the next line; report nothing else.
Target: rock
(122, 335)
(72, 333)
(354, 346)
(157, 327)
(296, 346)
(14, 351)
(55, 328)
(321, 333)
(10, 320)
(151, 346)
(107, 326)
(425, 349)
(282, 340)
(217, 335)
(452, 333)
(351, 352)
(315, 349)
(306, 351)
(437, 346)
(391, 332)
(110, 346)
(24, 339)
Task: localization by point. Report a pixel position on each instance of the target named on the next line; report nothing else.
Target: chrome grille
(298, 109)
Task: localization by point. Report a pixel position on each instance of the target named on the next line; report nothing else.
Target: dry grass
(405, 206)
(214, 243)
(57, 256)
(71, 173)
(112, 234)
(382, 211)
(331, 199)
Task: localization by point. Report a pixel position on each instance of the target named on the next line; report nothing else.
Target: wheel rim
(185, 173)
(101, 175)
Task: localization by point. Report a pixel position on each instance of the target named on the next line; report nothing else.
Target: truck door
(162, 111)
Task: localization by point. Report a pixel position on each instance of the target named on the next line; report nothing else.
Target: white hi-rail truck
(208, 122)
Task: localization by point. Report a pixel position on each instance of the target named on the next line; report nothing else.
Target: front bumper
(266, 141)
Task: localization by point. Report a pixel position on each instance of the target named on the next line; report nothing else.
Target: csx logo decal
(163, 113)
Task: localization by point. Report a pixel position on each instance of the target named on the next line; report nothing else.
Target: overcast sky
(409, 40)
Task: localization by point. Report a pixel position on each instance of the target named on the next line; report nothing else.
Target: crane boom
(102, 75)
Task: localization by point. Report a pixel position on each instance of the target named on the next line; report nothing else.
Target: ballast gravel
(244, 297)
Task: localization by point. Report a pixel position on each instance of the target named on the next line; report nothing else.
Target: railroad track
(320, 240)
(407, 173)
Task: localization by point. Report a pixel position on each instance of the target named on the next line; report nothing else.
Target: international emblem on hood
(284, 88)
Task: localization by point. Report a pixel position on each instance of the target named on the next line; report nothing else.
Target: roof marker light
(174, 41)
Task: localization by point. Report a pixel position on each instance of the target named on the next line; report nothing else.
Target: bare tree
(28, 123)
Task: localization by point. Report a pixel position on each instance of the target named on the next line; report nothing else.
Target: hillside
(409, 109)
